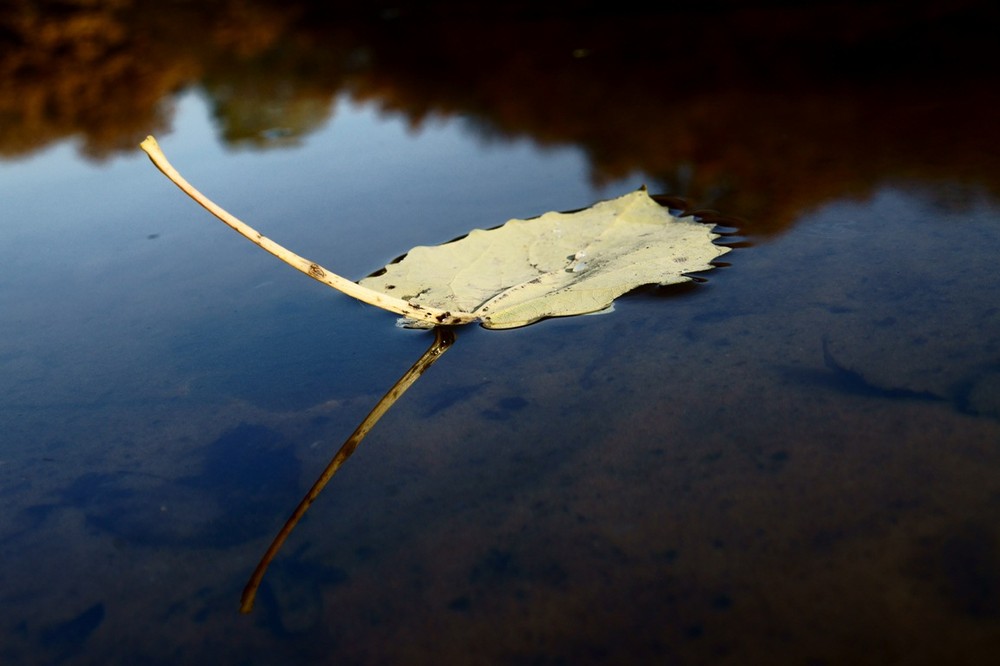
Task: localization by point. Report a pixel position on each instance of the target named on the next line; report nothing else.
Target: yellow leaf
(556, 265)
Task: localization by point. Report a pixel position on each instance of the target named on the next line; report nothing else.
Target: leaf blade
(558, 264)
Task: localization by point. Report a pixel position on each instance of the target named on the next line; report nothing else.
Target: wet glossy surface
(797, 461)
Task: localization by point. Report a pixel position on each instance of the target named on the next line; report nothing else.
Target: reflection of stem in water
(443, 339)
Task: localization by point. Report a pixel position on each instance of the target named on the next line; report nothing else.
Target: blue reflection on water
(819, 421)
(140, 340)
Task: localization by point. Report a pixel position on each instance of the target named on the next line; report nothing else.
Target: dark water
(796, 461)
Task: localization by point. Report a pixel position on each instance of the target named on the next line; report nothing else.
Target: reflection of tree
(757, 111)
(76, 68)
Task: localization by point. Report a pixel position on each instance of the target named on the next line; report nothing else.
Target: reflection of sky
(103, 266)
(832, 393)
(383, 185)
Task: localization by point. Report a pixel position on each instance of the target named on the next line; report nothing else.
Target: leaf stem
(428, 314)
(444, 337)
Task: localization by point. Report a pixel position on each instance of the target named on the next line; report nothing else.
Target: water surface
(795, 461)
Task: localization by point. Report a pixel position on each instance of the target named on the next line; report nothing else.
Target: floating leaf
(555, 265)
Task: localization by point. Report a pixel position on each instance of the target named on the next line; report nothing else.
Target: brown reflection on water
(762, 112)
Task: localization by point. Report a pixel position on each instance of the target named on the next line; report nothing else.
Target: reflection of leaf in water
(444, 337)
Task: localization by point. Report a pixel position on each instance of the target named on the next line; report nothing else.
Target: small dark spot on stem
(316, 272)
